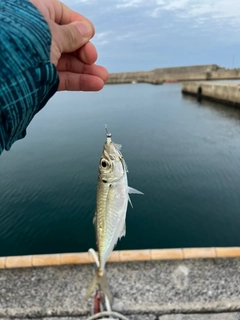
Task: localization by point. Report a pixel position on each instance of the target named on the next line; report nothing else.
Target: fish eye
(104, 163)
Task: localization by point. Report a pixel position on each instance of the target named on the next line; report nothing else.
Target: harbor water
(183, 155)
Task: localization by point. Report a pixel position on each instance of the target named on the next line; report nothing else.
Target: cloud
(101, 35)
(102, 38)
(125, 36)
(73, 2)
(200, 30)
(185, 8)
(164, 5)
(130, 3)
(155, 13)
(194, 8)
(175, 4)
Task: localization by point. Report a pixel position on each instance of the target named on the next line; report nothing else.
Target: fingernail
(85, 29)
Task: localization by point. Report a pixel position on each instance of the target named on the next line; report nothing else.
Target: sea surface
(184, 155)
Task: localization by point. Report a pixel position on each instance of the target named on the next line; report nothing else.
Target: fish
(111, 207)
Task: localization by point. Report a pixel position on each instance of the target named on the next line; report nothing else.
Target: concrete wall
(185, 77)
(188, 69)
(188, 73)
(204, 73)
(227, 92)
(131, 77)
(226, 74)
(185, 73)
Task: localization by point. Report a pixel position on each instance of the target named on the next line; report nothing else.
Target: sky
(139, 35)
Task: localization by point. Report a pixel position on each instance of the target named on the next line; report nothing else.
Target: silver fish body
(112, 201)
(111, 205)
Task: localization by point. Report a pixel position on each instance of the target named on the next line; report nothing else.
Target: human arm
(35, 63)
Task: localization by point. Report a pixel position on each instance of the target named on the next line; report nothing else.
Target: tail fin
(102, 283)
(92, 286)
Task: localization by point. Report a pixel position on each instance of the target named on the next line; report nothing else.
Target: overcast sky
(139, 35)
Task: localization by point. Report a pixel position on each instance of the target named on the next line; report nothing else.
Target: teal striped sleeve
(28, 79)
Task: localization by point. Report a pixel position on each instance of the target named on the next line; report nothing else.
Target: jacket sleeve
(28, 79)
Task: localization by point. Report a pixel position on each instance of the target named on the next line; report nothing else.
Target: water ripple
(184, 157)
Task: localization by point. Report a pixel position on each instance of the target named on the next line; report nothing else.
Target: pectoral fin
(132, 190)
(130, 201)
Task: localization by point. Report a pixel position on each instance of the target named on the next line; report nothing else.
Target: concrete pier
(170, 284)
(223, 92)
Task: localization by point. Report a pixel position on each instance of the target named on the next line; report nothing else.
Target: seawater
(184, 155)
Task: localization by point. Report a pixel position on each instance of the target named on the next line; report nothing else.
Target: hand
(71, 51)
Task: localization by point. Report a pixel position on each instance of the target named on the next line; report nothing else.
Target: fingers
(88, 53)
(69, 38)
(75, 75)
(73, 65)
(73, 36)
(79, 82)
(71, 50)
(64, 15)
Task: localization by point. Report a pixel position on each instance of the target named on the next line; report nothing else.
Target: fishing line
(104, 109)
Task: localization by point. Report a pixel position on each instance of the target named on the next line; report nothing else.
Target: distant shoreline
(175, 74)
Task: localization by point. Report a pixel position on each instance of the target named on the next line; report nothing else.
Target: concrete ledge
(199, 253)
(46, 260)
(227, 252)
(167, 254)
(139, 288)
(118, 256)
(138, 310)
(74, 258)
(135, 255)
(223, 92)
(206, 316)
(2, 262)
(18, 262)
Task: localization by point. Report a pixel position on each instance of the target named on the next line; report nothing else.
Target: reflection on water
(183, 155)
(225, 111)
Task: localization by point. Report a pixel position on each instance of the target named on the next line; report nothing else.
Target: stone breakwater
(174, 74)
(223, 92)
(134, 77)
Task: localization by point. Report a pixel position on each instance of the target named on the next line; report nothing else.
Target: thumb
(72, 36)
